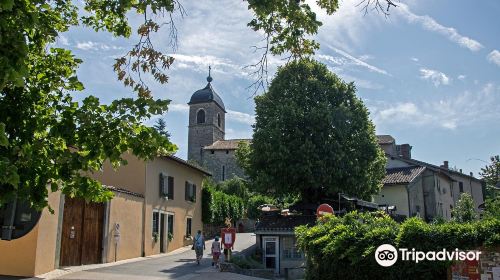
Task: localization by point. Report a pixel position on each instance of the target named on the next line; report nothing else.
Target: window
(290, 250)
(438, 184)
(223, 172)
(200, 116)
(156, 222)
(218, 120)
(212, 152)
(170, 221)
(190, 192)
(461, 186)
(188, 226)
(227, 152)
(166, 186)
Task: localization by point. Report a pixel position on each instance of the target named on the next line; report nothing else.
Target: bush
(343, 247)
(217, 206)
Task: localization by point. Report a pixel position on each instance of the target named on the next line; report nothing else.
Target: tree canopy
(313, 137)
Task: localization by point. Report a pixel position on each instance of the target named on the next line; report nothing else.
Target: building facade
(156, 208)
(416, 188)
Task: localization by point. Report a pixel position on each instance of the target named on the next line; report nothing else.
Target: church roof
(207, 94)
(230, 144)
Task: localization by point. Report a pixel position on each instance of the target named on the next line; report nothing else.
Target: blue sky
(429, 73)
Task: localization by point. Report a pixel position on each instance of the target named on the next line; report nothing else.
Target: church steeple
(206, 120)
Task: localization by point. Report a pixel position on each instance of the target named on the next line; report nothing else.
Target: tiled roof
(230, 144)
(283, 223)
(402, 175)
(385, 139)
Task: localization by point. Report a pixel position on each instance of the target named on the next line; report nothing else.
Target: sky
(429, 73)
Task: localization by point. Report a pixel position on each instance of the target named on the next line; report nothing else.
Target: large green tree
(313, 137)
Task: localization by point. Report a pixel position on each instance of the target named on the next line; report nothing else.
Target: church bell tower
(207, 120)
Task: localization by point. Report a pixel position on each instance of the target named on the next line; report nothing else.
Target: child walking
(216, 248)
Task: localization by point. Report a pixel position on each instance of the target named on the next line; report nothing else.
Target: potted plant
(156, 237)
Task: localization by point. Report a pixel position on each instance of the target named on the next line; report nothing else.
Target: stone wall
(217, 161)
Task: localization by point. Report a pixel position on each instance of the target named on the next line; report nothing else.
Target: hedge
(217, 206)
(343, 247)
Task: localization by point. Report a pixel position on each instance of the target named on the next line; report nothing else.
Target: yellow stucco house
(156, 208)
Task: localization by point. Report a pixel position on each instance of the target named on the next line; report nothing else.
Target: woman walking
(199, 245)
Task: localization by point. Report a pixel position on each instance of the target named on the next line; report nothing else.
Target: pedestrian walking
(199, 246)
(216, 248)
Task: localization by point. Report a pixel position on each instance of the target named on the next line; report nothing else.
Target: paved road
(180, 266)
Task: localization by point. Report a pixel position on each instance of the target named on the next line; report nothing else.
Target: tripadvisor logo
(387, 255)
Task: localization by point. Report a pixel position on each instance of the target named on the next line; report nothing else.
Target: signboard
(324, 209)
(228, 237)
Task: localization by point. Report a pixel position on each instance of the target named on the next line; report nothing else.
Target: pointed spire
(209, 78)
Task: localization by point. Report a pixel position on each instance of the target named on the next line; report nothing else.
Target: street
(176, 266)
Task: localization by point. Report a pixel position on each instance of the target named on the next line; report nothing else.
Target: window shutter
(194, 192)
(170, 187)
(186, 191)
(162, 185)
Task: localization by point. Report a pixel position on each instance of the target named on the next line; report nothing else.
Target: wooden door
(92, 233)
(82, 230)
(71, 238)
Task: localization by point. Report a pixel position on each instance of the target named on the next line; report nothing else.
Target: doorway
(162, 233)
(271, 253)
(82, 232)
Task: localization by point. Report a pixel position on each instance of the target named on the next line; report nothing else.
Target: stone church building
(207, 145)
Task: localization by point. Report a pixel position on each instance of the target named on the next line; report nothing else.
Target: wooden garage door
(81, 240)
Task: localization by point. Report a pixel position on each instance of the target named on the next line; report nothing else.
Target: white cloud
(240, 117)
(414, 59)
(177, 107)
(461, 77)
(437, 78)
(453, 112)
(63, 40)
(351, 60)
(431, 24)
(494, 57)
(89, 45)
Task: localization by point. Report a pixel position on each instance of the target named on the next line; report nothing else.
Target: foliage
(161, 128)
(491, 176)
(344, 247)
(492, 210)
(47, 138)
(235, 186)
(465, 209)
(217, 206)
(254, 202)
(313, 137)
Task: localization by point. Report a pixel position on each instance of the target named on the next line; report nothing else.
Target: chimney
(445, 164)
(461, 170)
(405, 151)
(472, 174)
